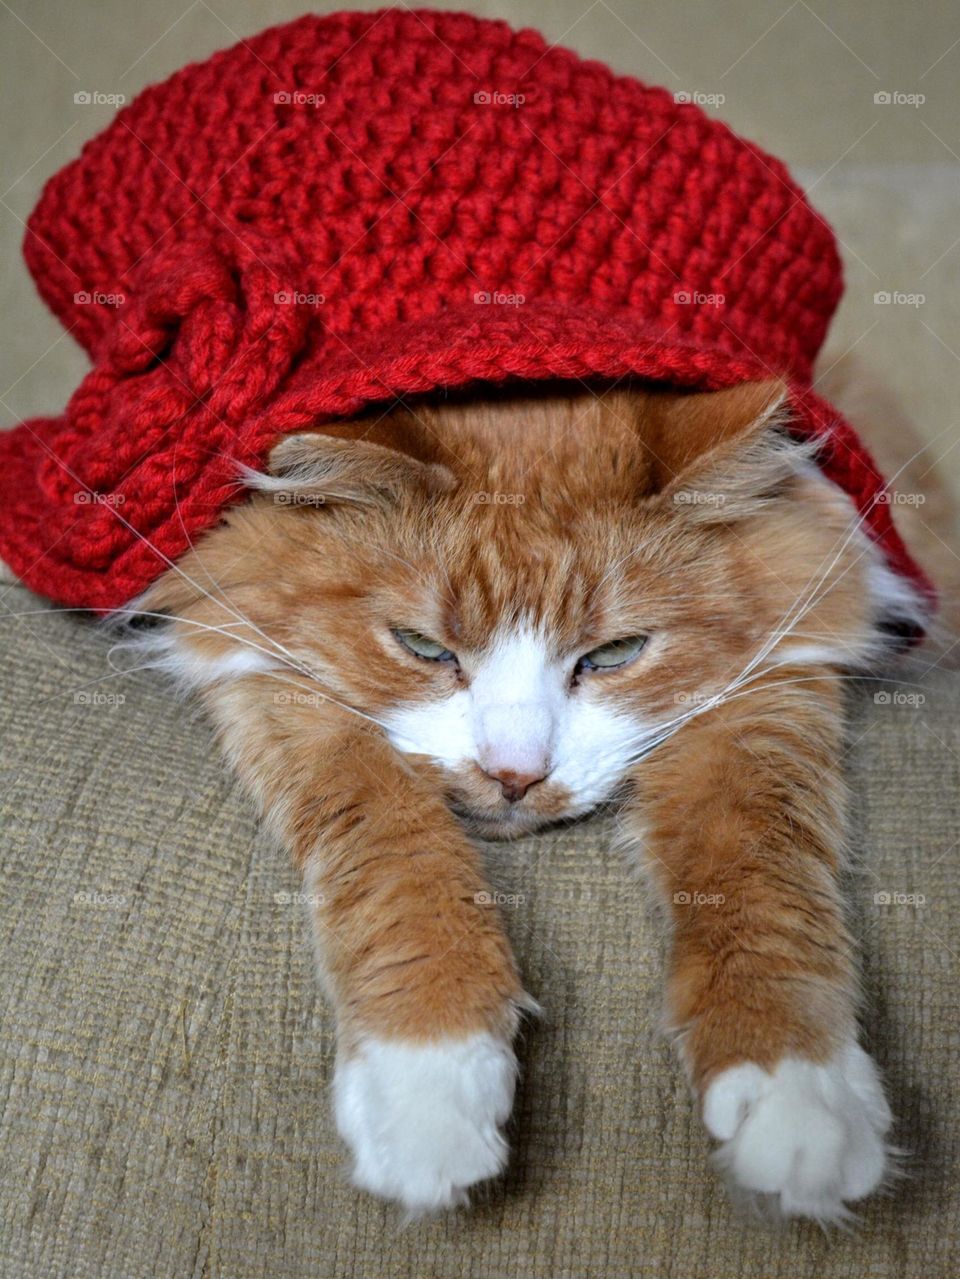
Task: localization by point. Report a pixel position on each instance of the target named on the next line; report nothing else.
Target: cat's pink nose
(515, 785)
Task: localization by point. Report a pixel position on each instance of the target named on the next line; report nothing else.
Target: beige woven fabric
(166, 1054)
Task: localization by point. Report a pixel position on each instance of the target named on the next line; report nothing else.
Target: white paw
(811, 1135)
(423, 1119)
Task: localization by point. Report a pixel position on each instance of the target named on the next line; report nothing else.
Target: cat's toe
(424, 1120)
(809, 1136)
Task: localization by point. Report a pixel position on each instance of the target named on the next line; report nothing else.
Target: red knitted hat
(351, 208)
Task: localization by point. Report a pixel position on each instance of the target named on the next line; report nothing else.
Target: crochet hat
(353, 208)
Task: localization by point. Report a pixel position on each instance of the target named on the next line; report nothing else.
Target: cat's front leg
(411, 950)
(739, 819)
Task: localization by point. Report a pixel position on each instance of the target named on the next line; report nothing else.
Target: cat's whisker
(733, 692)
(804, 602)
(275, 651)
(311, 689)
(811, 594)
(854, 526)
(802, 608)
(131, 609)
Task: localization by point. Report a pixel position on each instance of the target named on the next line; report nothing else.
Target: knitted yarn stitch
(352, 208)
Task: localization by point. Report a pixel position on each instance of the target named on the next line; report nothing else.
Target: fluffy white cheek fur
(810, 1135)
(520, 713)
(596, 751)
(168, 651)
(441, 729)
(592, 749)
(424, 1120)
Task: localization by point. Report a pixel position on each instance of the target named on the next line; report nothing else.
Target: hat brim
(340, 375)
(497, 341)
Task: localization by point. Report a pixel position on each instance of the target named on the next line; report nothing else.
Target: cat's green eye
(609, 656)
(423, 646)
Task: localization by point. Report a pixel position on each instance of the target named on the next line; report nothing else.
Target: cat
(478, 615)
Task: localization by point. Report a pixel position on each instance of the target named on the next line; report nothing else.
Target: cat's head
(530, 590)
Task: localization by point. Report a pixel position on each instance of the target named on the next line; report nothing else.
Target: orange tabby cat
(480, 616)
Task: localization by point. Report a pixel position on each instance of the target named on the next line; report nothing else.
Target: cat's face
(533, 654)
(530, 593)
(523, 727)
(524, 656)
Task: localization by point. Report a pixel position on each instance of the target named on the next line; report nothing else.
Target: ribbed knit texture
(349, 208)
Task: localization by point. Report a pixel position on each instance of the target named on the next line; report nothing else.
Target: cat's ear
(717, 455)
(314, 467)
(690, 434)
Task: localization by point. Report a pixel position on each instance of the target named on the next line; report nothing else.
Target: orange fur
(743, 821)
(411, 944)
(597, 516)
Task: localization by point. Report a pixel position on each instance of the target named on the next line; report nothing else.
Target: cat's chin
(513, 823)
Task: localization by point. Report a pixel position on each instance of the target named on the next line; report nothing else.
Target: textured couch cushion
(166, 1053)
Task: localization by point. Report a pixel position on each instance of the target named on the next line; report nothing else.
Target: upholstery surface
(166, 1053)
